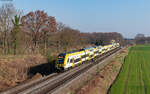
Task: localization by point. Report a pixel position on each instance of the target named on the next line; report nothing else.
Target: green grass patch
(134, 76)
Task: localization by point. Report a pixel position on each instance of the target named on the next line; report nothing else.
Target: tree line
(37, 32)
(142, 39)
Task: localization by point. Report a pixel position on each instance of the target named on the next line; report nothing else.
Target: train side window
(68, 60)
(87, 55)
(71, 61)
(77, 60)
(84, 56)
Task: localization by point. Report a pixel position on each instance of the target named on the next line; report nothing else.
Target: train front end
(60, 63)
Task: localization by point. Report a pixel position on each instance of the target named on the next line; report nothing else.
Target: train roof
(62, 54)
(88, 48)
(74, 51)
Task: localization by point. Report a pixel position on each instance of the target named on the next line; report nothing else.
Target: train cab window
(61, 60)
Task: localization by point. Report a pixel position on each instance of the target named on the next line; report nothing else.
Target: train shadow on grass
(43, 69)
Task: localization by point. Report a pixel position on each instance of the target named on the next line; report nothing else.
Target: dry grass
(13, 69)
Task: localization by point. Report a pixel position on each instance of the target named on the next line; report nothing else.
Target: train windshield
(61, 58)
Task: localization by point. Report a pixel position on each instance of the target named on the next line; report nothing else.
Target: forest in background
(142, 39)
(38, 33)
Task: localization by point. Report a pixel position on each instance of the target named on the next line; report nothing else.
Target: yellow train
(74, 58)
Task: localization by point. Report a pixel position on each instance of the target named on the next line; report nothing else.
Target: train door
(73, 62)
(81, 59)
(68, 62)
(93, 54)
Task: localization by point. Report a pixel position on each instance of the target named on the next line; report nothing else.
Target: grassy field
(134, 77)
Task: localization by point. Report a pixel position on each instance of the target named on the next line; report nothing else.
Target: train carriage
(74, 58)
(71, 59)
(96, 51)
(90, 52)
(99, 50)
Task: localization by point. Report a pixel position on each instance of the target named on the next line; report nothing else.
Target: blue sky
(127, 17)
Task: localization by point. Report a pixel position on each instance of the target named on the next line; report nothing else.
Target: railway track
(50, 83)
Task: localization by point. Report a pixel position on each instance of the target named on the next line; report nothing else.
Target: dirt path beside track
(101, 82)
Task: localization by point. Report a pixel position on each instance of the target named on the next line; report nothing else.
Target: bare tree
(52, 24)
(140, 39)
(7, 12)
(103, 38)
(68, 38)
(37, 24)
(60, 26)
